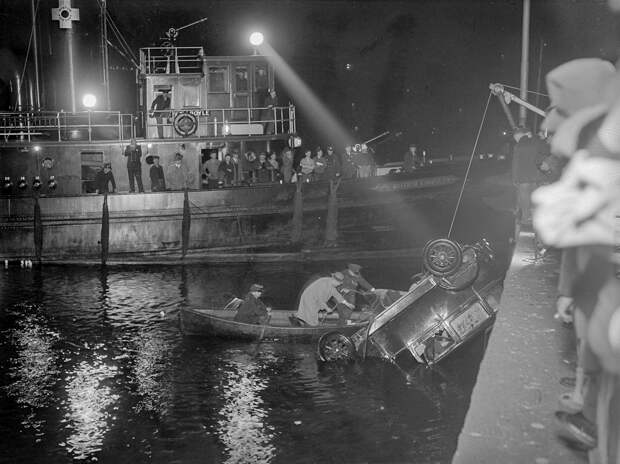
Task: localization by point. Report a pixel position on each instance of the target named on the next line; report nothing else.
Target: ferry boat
(50, 211)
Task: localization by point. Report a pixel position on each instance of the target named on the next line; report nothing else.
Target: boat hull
(205, 323)
(381, 213)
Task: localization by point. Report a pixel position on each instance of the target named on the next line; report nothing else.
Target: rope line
(471, 158)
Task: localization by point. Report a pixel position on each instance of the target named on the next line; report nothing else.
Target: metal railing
(175, 60)
(200, 122)
(62, 126)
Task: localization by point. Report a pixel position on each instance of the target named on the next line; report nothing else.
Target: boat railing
(63, 126)
(171, 60)
(218, 122)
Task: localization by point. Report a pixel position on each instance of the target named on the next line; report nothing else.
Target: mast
(104, 54)
(35, 42)
(525, 45)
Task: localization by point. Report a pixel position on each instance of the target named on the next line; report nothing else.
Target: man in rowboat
(253, 310)
(315, 298)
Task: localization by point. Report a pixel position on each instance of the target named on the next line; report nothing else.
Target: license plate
(471, 318)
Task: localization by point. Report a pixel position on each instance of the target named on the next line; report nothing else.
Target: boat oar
(262, 334)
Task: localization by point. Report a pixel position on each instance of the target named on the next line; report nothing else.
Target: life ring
(185, 124)
(442, 257)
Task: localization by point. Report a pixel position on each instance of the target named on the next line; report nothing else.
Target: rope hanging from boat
(471, 158)
(105, 230)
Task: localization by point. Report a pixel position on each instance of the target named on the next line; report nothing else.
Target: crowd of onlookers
(225, 169)
(578, 212)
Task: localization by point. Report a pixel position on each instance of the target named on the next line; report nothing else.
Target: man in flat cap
(316, 297)
(353, 281)
(253, 310)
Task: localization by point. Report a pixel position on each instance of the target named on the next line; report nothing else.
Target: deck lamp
(89, 100)
(7, 185)
(22, 184)
(256, 39)
(36, 183)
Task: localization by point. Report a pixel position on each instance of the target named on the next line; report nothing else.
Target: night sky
(420, 68)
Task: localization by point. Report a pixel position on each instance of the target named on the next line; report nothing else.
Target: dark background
(420, 68)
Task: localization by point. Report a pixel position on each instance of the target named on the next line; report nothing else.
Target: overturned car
(454, 300)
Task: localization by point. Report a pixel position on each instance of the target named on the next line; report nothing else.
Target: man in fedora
(178, 174)
(316, 297)
(253, 310)
(353, 281)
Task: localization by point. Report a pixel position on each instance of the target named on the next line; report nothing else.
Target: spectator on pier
(287, 165)
(212, 167)
(578, 213)
(320, 165)
(226, 170)
(307, 166)
(178, 174)
(412, 159)
(160, 110)
(104, 178)
(253, 310)
(316, 297)
(158, 182)
(274, 168)
(133, 152)
(528, 155)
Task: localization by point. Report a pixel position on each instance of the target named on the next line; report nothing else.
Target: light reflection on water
(89, 407)
(242, 427)
(93, 367)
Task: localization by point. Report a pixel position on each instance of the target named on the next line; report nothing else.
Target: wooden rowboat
(220, 324)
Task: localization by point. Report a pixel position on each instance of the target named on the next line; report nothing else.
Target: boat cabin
(208, 96)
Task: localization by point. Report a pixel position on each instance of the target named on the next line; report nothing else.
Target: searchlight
(256, 39)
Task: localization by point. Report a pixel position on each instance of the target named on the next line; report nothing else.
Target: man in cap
(160, 110)
(333, 164)
(158, 182)
(353, 281)
(412, 159)
(253, 310)
(133, 152)
(104, 178)
(316, 297)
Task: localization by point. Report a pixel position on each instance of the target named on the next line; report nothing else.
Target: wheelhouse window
(241, 79)
(218, 79)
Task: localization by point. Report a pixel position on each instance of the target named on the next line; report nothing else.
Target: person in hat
(332, 162)
(528, 154)
(160, 110)
(158, 182)
(316, 297)
(253, 310)
(267, 115)
(353, 281)
(412, 159)
(320, 165)
(178, 174)
(104, 179)
(133, 153)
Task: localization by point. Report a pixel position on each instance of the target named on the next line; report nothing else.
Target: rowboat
(219, 323)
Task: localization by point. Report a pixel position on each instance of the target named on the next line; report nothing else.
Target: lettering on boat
(415, 183)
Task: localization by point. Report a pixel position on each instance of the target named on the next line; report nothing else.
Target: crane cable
(471, 158)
